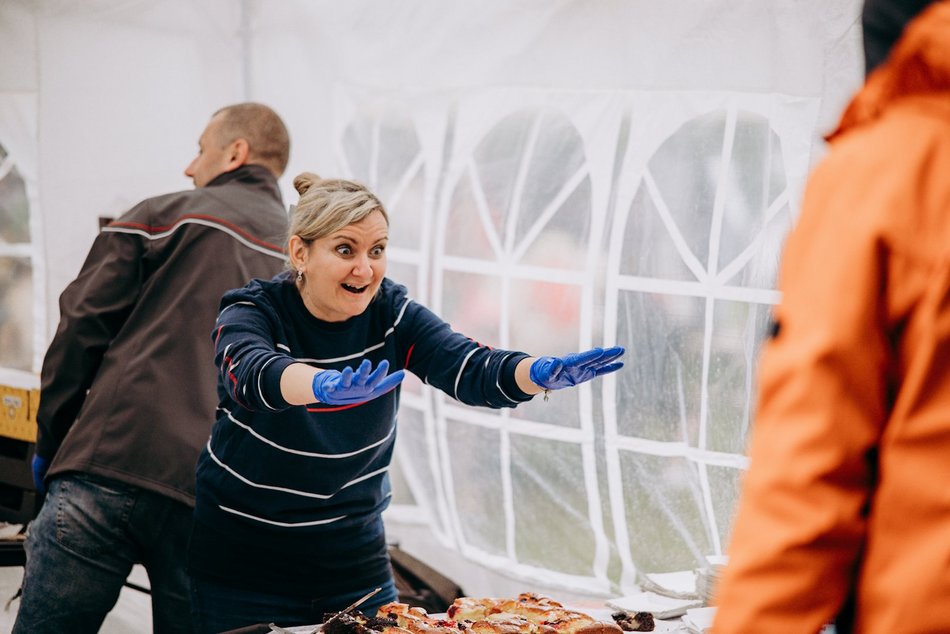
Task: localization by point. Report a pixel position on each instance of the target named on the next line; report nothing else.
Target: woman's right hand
(343, 388)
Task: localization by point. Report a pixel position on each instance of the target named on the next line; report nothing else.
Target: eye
(344, 249)
(377, 251)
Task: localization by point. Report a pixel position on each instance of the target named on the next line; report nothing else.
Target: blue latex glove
(554, 373)
(346, 387)
(40, 466)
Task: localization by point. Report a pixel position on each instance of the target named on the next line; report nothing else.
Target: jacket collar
(256, 176)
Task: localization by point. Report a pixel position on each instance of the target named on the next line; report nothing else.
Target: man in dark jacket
(128, 383)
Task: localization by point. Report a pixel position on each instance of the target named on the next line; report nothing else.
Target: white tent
(560, 174)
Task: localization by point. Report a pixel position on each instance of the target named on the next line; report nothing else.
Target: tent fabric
(559, 175)
(565, 220)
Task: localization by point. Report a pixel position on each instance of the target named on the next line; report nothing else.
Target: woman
(293, 481)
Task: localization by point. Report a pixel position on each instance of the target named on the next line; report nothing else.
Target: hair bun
(304, 181)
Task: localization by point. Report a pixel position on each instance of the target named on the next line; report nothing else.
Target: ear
(238, 153)
(297, 249)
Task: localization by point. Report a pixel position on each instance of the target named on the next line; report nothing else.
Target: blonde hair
(327, 205)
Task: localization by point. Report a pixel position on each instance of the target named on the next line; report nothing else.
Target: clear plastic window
(16, 269)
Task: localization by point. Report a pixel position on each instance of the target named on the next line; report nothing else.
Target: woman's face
(342, 271)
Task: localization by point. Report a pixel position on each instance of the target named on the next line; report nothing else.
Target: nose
(361, 267)
(190, 169)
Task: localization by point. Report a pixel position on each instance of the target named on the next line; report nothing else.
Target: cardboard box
(17, 417)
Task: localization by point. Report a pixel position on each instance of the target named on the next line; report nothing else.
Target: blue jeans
(82, 546)
(218, 608)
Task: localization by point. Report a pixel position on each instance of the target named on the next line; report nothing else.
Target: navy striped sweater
(290, 496)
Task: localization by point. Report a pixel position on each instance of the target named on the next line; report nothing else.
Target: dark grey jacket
(128, 382)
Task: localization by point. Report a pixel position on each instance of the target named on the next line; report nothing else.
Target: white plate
(656, 604)
(699, 619)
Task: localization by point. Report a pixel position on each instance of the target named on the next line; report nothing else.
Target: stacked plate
(708, 577)
(659, 606)
(706, 580)
(698, 620)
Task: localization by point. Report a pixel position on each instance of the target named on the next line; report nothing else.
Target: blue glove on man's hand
(554, 373)
(40, 466)
(342, 388)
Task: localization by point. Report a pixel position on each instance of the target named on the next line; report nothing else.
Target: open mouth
(354, 289)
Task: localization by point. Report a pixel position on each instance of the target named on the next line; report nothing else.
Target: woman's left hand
(554, 373)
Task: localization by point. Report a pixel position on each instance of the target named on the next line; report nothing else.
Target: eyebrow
(342, 236)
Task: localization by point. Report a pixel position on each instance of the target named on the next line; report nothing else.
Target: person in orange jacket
(845, 510)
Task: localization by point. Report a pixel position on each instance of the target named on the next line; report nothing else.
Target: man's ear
(238, 153)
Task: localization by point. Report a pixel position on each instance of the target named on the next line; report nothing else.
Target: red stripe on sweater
(324, 410)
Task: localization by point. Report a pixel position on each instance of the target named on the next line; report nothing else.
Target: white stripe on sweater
(355, 355)
(365, 477)
(258, 485)
(288, 524)
(260, 377)
(275, 523)
(359, 355)
(270, 487)
(498, 383)
(229, 306)
(308, 454)
(458, 377)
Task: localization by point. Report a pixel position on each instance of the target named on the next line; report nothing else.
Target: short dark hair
(266, 135)
(882, 23)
